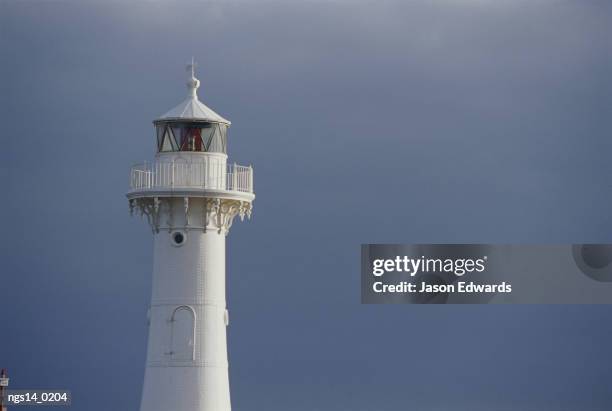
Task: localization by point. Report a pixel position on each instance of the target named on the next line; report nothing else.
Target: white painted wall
(190, 278)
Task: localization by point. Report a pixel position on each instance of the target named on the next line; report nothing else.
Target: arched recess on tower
(182, 334)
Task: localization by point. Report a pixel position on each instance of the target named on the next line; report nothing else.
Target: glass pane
(197, 139)
(217, 142)
(223, 129)
(173, 141)
(160, 134)
(206, 134)
(192, 140)
(179, 137)
(168, 143)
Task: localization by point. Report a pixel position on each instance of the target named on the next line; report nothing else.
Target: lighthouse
(189, 194)
(4, 382)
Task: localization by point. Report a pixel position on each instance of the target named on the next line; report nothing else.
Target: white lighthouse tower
(190, 196)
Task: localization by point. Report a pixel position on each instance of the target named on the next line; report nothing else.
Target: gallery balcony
(200, 179)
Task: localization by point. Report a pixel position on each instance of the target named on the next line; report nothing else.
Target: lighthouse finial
(193, 83)
(191, 67)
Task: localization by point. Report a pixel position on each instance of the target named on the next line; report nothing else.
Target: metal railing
(211, 174)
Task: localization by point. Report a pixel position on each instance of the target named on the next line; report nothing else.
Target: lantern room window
(204, 137)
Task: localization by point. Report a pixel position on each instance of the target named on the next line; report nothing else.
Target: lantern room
(191, 136)
(191, 126)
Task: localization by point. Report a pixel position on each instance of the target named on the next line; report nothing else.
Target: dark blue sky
(460, 121)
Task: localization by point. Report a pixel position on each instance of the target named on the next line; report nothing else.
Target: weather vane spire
(193, 83)
(191, 67)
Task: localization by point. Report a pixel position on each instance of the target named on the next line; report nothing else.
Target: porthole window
(178, 238)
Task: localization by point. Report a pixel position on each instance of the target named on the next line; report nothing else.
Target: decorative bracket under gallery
(214, 213)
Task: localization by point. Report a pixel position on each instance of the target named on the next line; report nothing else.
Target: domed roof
(192, 108)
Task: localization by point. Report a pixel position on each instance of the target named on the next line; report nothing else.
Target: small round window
(178, 238)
